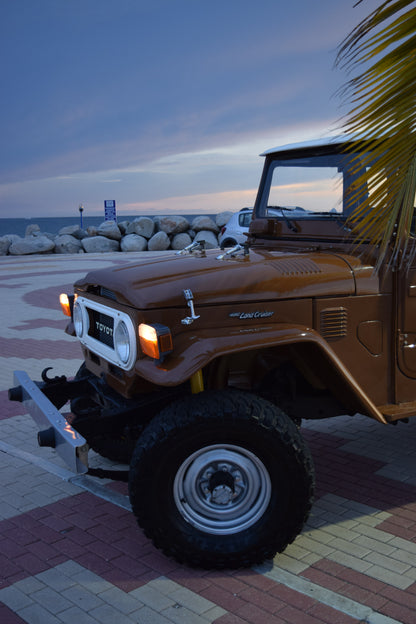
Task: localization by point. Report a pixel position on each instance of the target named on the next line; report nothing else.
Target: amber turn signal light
(67, 303)
(155, 340)
(64, 301)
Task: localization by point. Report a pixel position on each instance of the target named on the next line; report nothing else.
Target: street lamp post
(81, 209)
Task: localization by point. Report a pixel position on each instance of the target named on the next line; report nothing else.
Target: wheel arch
(304, 347)
(229, 241)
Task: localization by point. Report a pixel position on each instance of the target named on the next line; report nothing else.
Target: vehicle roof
(331, 143)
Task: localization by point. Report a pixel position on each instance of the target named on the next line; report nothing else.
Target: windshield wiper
(288, 222)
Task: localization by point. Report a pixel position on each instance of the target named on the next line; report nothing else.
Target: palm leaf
(382, 48)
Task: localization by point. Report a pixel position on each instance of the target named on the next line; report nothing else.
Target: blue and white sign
(110, 210)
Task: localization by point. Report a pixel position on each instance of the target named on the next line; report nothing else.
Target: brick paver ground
(71, 551)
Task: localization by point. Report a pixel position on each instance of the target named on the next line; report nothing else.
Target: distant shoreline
(54, 224)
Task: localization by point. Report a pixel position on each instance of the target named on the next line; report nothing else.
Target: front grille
(102, 292)
(99, 330)
(101, 327)
(108, 294)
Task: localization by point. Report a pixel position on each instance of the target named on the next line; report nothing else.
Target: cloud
(220, 178)
(91, 86)
(158, 100)
(209, 203)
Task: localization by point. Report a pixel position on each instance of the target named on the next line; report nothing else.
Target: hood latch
(234, 251)
(190, 301)
(195, 246)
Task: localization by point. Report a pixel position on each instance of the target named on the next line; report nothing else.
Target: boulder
(180, 241)
(123, 225)
(159, 242)
(92, 230)
(211, 241)
(99, 244)
(222, 218)
(73, 230)
(31, 245)
(4, 245)
(133, 242)
(67, 244)
(200, 224)
(32, 229)
(109, 229)
(13, 238)
(173, 225)
(143, 226)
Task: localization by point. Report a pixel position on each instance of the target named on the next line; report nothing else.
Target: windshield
(309, 186)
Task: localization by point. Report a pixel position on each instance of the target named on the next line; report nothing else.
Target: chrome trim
(187, 293)
(196, 245)
(69, 444)
(100, 348)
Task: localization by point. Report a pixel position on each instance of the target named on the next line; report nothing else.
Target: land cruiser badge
(251, 315)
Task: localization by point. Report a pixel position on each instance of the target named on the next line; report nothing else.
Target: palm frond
(383, 106)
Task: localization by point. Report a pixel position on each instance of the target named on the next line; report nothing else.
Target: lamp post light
(81, 209)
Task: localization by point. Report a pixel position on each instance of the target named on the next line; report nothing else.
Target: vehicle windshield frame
(347, 163)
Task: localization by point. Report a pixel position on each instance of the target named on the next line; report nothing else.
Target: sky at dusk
(162, 105)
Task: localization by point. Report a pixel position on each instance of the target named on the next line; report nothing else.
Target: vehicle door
(406, 318)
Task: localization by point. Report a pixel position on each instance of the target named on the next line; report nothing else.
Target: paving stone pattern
(71, 551)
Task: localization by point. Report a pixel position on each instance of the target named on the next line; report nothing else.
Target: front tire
(221, 479)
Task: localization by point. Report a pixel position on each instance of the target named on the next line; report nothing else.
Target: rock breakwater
(141, 234)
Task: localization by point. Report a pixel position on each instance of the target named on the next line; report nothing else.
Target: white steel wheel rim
(222, 489)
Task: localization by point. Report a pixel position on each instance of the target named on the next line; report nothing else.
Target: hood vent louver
(296, 266)
(333, 323)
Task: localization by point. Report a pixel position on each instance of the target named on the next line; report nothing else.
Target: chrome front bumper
(55, 431)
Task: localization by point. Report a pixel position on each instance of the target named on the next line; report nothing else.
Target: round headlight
(122, 341)
(78, 319)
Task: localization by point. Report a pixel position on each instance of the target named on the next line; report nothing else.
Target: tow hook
(49, 380)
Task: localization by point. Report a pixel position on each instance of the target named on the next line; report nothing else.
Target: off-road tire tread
(234, 407)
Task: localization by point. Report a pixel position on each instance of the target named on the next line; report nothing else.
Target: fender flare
(194, 351)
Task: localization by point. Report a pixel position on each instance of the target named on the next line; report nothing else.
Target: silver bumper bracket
(55, 429)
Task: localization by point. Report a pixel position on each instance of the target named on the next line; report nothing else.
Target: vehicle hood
(260, 276)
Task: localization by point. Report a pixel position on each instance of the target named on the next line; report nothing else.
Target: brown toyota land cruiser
(201, 365)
